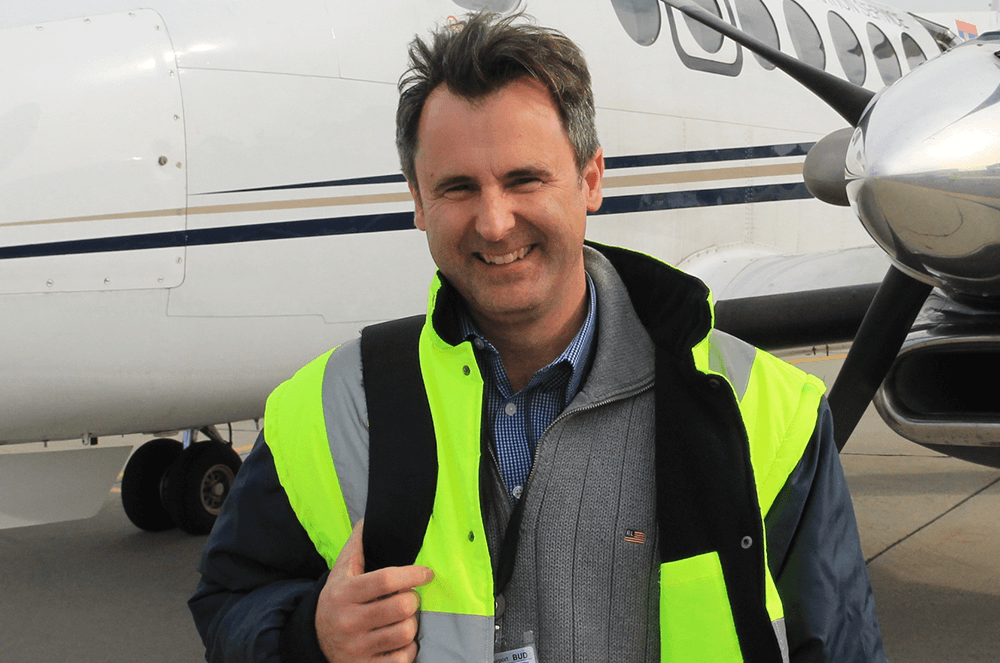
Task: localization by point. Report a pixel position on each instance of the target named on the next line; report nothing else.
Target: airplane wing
(795, 301)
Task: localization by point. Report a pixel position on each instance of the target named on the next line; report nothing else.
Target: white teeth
(505, 259)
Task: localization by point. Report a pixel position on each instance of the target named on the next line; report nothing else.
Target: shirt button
(517, 492)
(510, 409)
(479, 343)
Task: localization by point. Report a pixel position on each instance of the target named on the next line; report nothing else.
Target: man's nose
(495, 217)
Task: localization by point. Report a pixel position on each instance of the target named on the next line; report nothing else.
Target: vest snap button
(472, 536)
(466, 370)
(714, 383)
(746, 542)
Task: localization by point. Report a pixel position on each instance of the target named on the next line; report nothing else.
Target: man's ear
(593, 177)
(418, 209)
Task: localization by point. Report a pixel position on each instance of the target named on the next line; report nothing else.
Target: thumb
(351, 560)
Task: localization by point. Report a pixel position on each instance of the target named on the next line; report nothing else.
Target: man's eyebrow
(527, 171)
(449, 181)
(440, 186)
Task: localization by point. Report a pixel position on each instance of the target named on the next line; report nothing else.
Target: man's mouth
(495, 259)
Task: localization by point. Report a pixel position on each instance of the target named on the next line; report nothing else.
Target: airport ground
(101, 591)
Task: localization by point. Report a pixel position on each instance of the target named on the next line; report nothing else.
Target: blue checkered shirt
(518, 420)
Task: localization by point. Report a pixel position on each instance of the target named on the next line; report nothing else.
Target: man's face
(502, 201)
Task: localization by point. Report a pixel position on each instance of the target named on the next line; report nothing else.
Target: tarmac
(99, 590)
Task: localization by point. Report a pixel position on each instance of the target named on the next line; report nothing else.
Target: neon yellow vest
(778, 405)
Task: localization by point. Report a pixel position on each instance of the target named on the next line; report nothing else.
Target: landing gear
(166, 485)
(197, 484)
(141, 483)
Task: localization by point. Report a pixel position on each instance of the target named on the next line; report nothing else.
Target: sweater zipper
(565, 415)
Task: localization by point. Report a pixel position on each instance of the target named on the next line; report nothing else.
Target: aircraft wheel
(197, 484)
(141, 484)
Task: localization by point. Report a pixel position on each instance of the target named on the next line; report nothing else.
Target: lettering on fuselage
(872, 12)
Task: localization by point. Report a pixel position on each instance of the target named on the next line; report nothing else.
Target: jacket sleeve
(814, 553)
(260, 575)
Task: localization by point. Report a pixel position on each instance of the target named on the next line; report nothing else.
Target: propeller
(901, 296)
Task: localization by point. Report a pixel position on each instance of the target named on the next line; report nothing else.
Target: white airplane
(198, 198)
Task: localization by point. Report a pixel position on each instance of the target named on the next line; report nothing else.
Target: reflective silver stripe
(733, 358)
(445, 638)
(345, 412)
(782, 636)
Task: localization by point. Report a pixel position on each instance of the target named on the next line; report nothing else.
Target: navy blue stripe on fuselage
(258, 232)
(652, 202)
(263, 232)
(610, 163)
(378, 179)
(709, 156)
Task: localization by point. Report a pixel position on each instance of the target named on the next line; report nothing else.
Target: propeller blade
(881, 335)
(842, 96)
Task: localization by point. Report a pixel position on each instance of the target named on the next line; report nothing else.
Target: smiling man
(562, 460)
(504, 206)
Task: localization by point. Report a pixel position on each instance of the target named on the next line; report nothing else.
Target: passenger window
(914, 54)
(805, 37)
(707, 38)
(885, 55)
(640, 18)
(758, 23)
(848, 48)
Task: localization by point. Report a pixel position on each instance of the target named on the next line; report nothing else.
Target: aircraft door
(701, 48)
(92, 156)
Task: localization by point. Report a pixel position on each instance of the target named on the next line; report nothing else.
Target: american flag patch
(635, 536)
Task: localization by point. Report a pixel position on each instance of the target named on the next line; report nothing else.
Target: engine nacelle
(930, 396)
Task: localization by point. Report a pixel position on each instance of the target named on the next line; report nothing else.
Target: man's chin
(507, 309)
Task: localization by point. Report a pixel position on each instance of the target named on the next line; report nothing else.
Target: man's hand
(369, 616)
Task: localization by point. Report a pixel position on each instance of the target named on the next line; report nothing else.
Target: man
(611, 479)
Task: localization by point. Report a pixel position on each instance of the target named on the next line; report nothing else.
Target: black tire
(141, 483)
(197, 484)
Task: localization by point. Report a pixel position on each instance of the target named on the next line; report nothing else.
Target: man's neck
(527, 346)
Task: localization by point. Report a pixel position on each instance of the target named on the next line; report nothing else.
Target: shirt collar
(576, 355)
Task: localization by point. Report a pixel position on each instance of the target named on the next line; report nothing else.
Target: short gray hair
(482, 54)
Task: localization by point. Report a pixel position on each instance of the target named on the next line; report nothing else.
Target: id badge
(525, 654)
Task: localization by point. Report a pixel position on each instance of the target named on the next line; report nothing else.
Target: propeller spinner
(925, 177)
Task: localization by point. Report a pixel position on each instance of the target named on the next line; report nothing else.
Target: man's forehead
(526, 98)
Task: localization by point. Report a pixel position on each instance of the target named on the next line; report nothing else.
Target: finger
(366, 619)
(407, 654)
(384, 582)
(390, 610)
(351, 560)
(394, 637)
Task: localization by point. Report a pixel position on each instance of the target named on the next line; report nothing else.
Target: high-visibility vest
(698, 613)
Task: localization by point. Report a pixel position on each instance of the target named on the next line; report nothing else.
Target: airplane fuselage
(198, 198)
